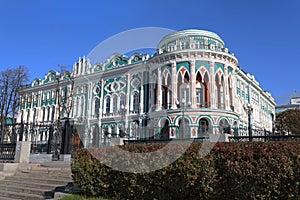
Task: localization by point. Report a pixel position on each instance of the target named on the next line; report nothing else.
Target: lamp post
(123, 119)
(249, 111)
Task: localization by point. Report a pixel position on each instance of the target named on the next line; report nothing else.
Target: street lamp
(123, 118)
(249, 112)
(184, 106)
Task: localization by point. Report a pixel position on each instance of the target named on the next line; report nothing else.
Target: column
(141, 100)
(101, 112)
(174, 86)
(212, 85)
(158, 90)
(128, 94)
(226, 88)
(193, 84)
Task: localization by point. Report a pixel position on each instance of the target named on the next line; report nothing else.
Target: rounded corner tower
(193, 36)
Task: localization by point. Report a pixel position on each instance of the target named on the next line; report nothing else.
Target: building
(294, 104)
(190, 87)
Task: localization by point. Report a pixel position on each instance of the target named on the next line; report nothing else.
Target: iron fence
(7, 152)
(242, 135)
(146, 141)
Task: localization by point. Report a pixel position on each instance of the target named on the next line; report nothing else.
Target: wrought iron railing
(265, 138)
(242, 134)
(7, 152)
(145, 141)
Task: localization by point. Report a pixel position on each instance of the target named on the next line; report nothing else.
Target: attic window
(136, 58)
(116, 63)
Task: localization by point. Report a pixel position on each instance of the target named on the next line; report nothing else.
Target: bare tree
(11, 80)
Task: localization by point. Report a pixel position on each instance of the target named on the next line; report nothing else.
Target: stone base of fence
(116, 141)
(219, 137)
(8, 169)
(65, 157)
(38, 158)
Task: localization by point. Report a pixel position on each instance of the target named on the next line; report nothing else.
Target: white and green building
(190, 87)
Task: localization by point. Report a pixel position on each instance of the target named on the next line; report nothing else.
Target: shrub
(231, 171)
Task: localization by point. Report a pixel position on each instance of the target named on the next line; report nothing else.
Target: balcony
(211, 47)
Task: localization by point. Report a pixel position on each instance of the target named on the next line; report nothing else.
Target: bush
(231, 171)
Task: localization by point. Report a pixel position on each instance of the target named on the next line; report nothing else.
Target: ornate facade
(190, 87)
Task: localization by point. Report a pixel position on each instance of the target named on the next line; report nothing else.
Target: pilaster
(226, 88)
(193, 84)
(174, 86)
(128, 94)
(158, 90)
(212, 85)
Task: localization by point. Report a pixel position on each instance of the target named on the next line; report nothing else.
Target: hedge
(253, 170)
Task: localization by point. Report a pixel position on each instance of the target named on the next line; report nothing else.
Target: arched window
(115, 104)
(183, 88)
(224, 126)
(96, 136)
(199, 45)
(105, 134)
(43, 114)
(202, 91)
(185, 45)
(113, 131)
(164, 134)
(82, 109)
(235, 129)
(136, 102)
(204, 127)
(97, 107)
(220, 91)
(166, 92)
(107, 104)
(77, 107)
(122, 100)
(28, 115)
(134, 132)
(34, 115)
(230, 94)
(184, 129)
(48, 114)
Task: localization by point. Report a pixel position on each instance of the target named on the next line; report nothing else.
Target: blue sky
(263, 34)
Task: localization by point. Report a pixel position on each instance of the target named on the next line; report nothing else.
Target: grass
(78, 197)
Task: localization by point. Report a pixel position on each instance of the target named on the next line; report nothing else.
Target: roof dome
(189, 34)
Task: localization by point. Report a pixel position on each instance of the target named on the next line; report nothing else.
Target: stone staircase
(38, 182)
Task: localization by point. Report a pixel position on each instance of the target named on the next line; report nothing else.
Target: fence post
(21, 131)
(50, 139)
(22, 152)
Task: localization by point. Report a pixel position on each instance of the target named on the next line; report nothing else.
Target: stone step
(58, 175)
(52, 170)
(39, 180)
(30, 184)
(22, 196)
(27, 190)
(47, 171)
(7, 198)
